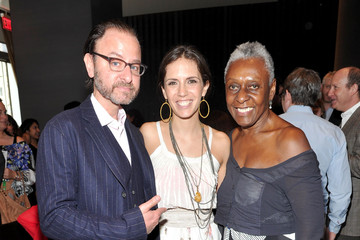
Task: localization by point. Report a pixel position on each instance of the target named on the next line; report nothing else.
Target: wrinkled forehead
(248, 67)
(327, 81)
(116, 38)
(340, 77)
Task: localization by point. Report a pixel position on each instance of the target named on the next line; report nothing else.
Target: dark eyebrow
(119, 56)
(192, 77)
(171, 79)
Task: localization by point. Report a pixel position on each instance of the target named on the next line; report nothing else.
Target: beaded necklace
(202, 216)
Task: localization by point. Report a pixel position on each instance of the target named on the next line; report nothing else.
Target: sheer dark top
(282, 199)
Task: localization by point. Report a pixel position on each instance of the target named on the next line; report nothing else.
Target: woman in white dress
(189, 158)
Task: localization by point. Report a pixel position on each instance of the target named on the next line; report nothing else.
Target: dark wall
(49, 37)
(48, 43)
(296, 33)
(348, 34)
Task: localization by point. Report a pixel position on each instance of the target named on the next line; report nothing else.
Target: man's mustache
(122, 84)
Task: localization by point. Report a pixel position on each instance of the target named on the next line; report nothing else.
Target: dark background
(49, 36)
(296, 33)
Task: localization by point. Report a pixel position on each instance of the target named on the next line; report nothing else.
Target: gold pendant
(197, 197)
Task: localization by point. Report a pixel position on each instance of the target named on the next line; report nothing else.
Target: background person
(345, 97)
(12, 127)
(30, 127)
(318, 108)
(30, 133)
(189, 158)
(301, 91)
(332, 115)
(272, 185)
(17, 158)
(95, 178)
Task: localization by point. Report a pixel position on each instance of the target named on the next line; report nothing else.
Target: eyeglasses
(118, 65)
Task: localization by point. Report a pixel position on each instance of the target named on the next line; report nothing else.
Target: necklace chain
(202, 220)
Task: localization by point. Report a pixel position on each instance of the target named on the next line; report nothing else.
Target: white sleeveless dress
(179, 221)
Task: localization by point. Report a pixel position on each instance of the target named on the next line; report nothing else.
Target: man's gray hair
(252, 50)
(304, 86)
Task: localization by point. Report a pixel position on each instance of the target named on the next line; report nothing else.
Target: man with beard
(95, 178)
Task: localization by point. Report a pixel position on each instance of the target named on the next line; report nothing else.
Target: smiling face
(112, 87)
(247, 91)
(184, 87)
(342, 97)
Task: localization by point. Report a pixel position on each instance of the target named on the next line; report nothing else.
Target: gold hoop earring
(169, 118)
(208, 107)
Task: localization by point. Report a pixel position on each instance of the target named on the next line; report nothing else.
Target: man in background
(332, 115)
(301, 91)
(345, 97)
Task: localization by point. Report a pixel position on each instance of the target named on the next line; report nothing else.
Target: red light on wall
(6, 22)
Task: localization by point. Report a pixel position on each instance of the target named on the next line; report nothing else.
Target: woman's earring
(162, 105)
(208, 107)
(270, 104)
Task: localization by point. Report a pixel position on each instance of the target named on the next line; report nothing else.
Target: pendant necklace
(202, 216)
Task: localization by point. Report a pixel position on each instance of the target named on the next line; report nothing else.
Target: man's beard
(123, 98)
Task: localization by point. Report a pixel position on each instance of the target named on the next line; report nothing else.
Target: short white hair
(252, 50)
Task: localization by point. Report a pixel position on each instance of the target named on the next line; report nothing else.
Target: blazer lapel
(103, 143)
(353, 120)
(138, 150)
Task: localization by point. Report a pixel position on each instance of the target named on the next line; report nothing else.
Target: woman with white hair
(272, 188)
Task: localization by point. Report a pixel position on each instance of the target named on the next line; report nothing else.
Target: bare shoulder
(220, 137)
(151, 139)
(148, 128)
(220, 146)
(19, 139)
(292, 141)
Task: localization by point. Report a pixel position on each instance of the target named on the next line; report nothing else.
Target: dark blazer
(335, 117)
(85, 183)
(351, 130)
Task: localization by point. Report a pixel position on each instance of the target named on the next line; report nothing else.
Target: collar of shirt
(105, 118)
(300, 108)
(347, 114)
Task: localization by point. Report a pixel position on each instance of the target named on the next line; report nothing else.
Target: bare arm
(149, 132)
(221, 150)
(292, 142)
